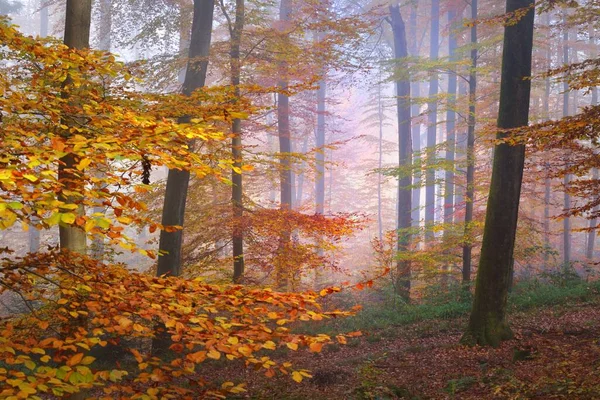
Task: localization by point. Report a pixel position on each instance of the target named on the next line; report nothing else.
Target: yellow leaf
(269, 345)
(293, 346)
(68, 218)
(233, 340)
(30, 177)
(297, 376)
(125, 322)
(83, 164)
(215, 355)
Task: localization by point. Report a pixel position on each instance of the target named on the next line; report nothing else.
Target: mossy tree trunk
(488, 324)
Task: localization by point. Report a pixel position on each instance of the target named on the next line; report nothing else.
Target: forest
(299, 199)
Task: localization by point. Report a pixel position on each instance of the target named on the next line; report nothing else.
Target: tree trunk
(432, 122)
(591, 239)
(547, 180)
(169, 259)
(77, 36)
(380, 163)
(488, 324)
(170, 243)
(415, 88)
(404, 152)
(567, 177)
(451, 139)
(470, 184)
(236, 148)
(104, 43)
(283, 126)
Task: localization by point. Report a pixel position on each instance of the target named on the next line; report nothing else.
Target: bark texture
(488, 324)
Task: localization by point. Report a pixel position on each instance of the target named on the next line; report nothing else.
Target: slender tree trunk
(404, 152)
(488, 324)
(380, 163)
(567, 177)
(34, 233)
(283, 126)
(104, 43)
(300, 190)
(547, 180)
(591, 238)
(432, 121)
(236, 148)
(320, 153)
(169, 260)
(470, 184)
(415, 88)
(451, 138)
(77, 36)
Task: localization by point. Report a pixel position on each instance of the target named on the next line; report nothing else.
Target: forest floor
(555, 354)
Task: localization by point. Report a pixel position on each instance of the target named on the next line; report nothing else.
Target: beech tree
(169, 260)
(487, 323)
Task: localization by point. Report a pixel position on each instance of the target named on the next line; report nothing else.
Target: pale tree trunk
(415, 88)
(488, 324)
(283, 126)
(77, 36)
(432, 121)
(236, 147)
(404, 155)
(104, 43)
(34, 233)
(591, 238)
(470, 183)
(547, 180)
(451, 137)
(567, 177)
(380, 163)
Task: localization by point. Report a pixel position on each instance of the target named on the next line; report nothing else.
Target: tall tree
(432, 110)
(591, 238)
(547, 179)
(235, 30)
(34, 233)
(470, 184)
(169, 260)
(415, 88)
(404, 152)
(284, 133)
(450, 131)
(487, 323)
(104, 43)
(567, 177)
(77, 36)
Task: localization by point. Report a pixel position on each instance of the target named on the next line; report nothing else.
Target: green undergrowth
(453, 303)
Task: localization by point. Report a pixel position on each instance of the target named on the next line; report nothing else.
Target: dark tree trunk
(488, 324)
(404, 152)
(236, 148)
(77, 36)
(470, 184)
(170, 243)
(169, 260)
(432, 121)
